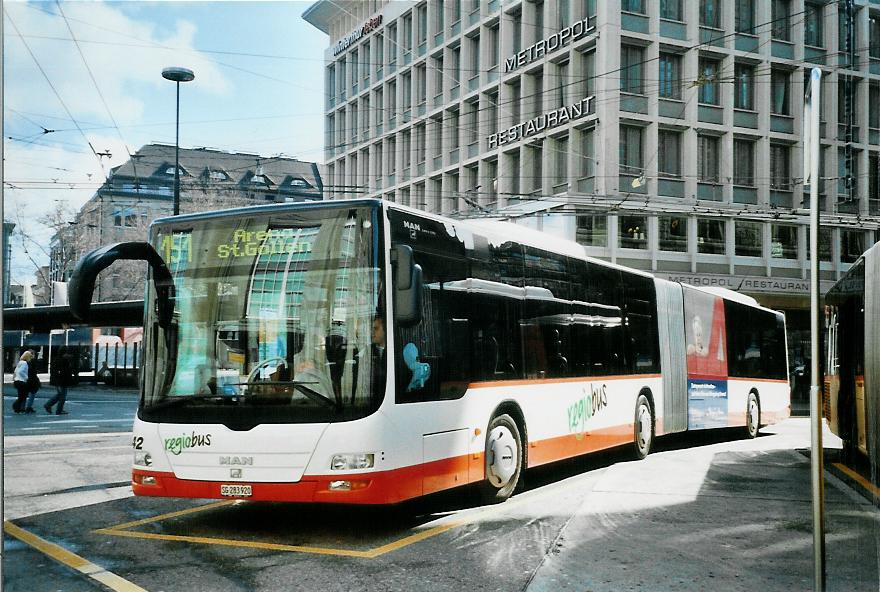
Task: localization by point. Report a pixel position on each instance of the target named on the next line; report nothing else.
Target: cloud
(60, 166)
(136, 62)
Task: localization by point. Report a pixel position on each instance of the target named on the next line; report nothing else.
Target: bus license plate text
(236, 490)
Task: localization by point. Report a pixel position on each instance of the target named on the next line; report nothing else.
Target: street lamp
(178, 75)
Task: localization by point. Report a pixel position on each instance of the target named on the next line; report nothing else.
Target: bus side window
(432, 360)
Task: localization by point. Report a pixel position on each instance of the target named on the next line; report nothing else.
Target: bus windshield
(277, 319)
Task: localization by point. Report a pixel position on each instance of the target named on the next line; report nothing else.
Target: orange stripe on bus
(391, 486)
(536, 381)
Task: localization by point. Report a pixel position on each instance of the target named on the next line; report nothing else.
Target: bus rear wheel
(643, 429)
(753, 415)
(504, 453)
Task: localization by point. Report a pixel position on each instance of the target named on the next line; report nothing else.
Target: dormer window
(217, 176)
(258, 180)
(299, 183)
(170, 171)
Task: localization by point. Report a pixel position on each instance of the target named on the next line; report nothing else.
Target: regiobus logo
(180, 443)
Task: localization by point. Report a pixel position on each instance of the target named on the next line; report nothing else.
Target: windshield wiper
(172, 401)
(298, 385)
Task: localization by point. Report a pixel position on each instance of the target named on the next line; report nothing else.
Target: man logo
(237, 460)
(235, 473)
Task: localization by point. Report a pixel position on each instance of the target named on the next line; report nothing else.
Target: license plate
(236, 490)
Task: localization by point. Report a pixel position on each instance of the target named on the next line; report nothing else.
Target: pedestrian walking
(33, 383)
(20, 380)
(61, 377)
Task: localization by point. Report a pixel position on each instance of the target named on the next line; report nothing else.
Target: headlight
(143, 459)
(347, 462)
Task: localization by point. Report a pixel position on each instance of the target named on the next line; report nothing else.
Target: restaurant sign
(542, 122)
(745, 283)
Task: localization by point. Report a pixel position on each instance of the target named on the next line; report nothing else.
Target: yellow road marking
(859, 479)
(122, 530)
(234, 543)
(161, 517)
(72, 560)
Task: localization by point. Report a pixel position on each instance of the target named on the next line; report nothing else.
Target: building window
(826, 239)
(708, 147)
(708, 82)
(745, 16)
(874, 36)
(563, 13)
(630, 150)
(587, 156)
(493, 42)
(561, 157)
(672, 233)
(475, 58)
(852, 245)
(842, 44)
(592, 230)
(563, 86)
(670, 76)
(874, 106)
(126, 217)
(779, 103)
(842, 109)
(631, 69)
(780, 167)
(744, 162)
(873, 182)
(847, 181)
(781, 28)
(710, 236)
(784, 241)
(748, 238)
(671, 10)
(814, 24)
(744, 87)
(710, 14)
(669, 153)
(633, 232)
(637, 6)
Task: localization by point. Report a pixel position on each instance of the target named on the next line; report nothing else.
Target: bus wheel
(503, 459)
(643, 430)
(753, 415)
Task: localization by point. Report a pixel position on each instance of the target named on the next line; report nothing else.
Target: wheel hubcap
(753, 415)
(502, 456)
(644, 435)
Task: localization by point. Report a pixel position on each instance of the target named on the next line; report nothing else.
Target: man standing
(61, 378)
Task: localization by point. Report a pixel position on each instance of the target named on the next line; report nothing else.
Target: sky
(81, 77)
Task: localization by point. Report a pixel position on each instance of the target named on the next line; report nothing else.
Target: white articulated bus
(363, 352)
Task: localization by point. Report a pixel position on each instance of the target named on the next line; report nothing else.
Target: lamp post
(178, 75)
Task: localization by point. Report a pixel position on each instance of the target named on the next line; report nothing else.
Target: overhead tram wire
(166, 47)
(153, 45)
(98, 89)
(682, 50)
(54, 90)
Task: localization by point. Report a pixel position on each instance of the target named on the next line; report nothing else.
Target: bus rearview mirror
(407, 286)
(82, 283)
(408, 301)
(402, 257)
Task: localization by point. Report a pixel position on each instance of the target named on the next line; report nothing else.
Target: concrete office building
(661, 134)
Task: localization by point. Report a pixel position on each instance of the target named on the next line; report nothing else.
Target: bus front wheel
(753, 415)
(643, 430)
(503, 459)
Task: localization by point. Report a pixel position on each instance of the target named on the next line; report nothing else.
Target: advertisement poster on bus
(706, 360)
